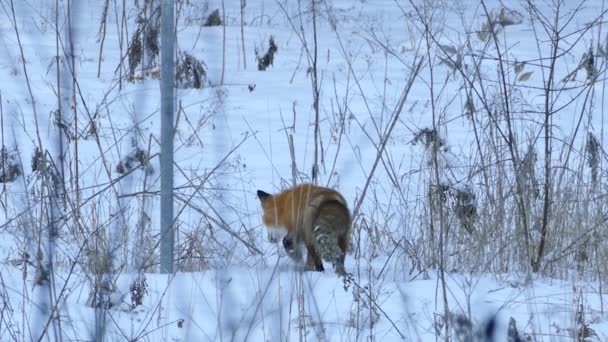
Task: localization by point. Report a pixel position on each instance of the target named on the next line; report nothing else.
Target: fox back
(313, 215)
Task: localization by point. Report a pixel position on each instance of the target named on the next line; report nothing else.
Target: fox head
(268, 208)
(270, 216)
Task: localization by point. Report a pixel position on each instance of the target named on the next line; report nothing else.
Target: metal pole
(167, 107)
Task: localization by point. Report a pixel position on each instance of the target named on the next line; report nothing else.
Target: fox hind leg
(330, 230)
(313, 261)
(343, 245)
(329, 247)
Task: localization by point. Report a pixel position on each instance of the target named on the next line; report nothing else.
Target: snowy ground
(233, 139)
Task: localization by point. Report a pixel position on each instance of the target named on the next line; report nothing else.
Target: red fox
(314, 216)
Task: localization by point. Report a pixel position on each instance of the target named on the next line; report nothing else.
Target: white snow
(231, 141)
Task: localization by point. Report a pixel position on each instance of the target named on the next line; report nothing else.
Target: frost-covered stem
(223, 42)
(477, 129)
(301, 307)
(243, 4)
(166, 153)
(102, 32)
(292, 154)
(143, 37)
(443, 229)
(58, 58)
(121, 28)
(416, 66)
(139, 257)
(547, 129)
(76, 135)
(44, 315)
(511, 136)
(312, 69)
(599, 208)
(2, 158)
(474, 122)
(25, 73)
(341, 117)
(315, 93)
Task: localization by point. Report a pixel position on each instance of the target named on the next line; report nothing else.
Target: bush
(190, 72)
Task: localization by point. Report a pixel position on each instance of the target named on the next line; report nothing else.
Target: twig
(350, 278)
(243, 4)
(416, 66)
(315, 93)
(219, 221)
(223, 43)
(102, 33)
(2, 160)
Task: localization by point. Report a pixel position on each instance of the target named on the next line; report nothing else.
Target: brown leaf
(525, 76)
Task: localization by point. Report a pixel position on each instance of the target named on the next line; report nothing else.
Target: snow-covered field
(466, 136)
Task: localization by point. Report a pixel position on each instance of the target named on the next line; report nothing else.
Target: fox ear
(263, 195)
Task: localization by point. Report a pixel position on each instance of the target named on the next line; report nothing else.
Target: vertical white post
(167, 107)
